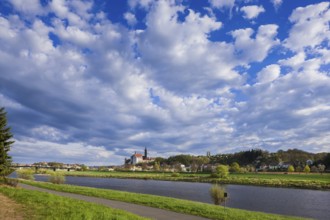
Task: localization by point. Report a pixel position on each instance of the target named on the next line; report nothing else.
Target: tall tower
(145, 153)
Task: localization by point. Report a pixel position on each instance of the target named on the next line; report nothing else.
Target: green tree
(235, 168)
(307, 169)
(156, 166)
(84, 167)
(321, 168)
(222, 171)
(5, 144)
(290, 168)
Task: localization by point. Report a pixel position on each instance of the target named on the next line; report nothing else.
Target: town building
(137, 158)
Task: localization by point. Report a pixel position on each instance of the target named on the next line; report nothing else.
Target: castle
(137, 158)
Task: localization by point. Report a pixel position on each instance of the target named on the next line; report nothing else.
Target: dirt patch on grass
(9, 209)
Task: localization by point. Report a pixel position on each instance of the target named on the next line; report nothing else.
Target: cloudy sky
(93, 81)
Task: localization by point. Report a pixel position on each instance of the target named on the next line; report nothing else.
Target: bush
(218, 194)
(57, 178)
(214, 175)
(235, 168)
(26, 174)
(307, 169)
(290, 168)
(222, 170)
(11, 182)
(175, 175)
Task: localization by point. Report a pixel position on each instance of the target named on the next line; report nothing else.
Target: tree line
(248, 160)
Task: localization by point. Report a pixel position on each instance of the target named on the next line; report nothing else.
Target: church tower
(145, 153)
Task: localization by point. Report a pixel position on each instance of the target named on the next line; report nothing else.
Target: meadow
(39, 205)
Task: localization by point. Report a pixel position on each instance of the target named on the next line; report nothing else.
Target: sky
(94, 81)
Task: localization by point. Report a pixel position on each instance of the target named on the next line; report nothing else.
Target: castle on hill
(137, 158)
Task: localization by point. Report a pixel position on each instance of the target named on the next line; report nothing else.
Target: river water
(287, 201)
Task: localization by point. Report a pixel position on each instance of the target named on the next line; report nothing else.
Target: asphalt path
(144, 211)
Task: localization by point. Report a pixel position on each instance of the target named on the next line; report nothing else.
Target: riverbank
(41, 205)
(301, 181)
(167, 203)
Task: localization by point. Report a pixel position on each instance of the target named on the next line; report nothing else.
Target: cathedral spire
(145, 153)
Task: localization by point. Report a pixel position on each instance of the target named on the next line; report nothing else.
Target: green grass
(305, 181)
(40, 205)
(177, 205)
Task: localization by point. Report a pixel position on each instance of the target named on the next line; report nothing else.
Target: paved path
(145, 211)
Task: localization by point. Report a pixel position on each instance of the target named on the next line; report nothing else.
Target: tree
(156, 166)
(307, 169)
(321, 168)
(326, 160)
(222, 171)
(84, 167)
(290, 168)
(5, 144)
(234, 167)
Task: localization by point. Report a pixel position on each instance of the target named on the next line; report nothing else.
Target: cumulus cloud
(181, 57)
(276, 3)
(130, 18)
(145, 4)
(269, 73)
(222, 3)
(252, 11)
(312, 19)
(249, 49)
(79, 87)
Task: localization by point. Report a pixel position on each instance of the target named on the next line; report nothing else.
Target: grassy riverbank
(304, 181)
(177, 205)
(40, 205)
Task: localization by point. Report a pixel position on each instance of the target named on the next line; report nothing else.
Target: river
(286, 201)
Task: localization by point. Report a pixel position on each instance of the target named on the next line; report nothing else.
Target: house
(309, 162)
(137, 158)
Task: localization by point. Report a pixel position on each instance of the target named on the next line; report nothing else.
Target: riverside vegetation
(172, 204)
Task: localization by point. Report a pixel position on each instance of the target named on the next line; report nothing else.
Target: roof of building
(137, 155)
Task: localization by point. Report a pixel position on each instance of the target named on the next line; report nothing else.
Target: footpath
(144, 211)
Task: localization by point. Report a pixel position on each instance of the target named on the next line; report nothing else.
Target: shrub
(218, 194)
(11, 182)
(235, 168)
(307, 169)
(26, 174)
(57, 178)
(175, 175)
(222, 170)
(214, 175)
(290, 168)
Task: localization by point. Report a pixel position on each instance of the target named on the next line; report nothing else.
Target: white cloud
(252, 11)
(249, 49)
(33, 7)
(295, 61)
(273, 113)
(106, 90)
(222, 3)
(269, 73)
(60, 7)
(34, 150)
(130, 18)
(276, 3)
(312, 19)
(145, 4)
(182, 54)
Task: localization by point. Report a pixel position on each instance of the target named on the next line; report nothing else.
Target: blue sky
(93, 81)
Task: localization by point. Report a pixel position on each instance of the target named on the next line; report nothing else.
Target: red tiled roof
(138, 155)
